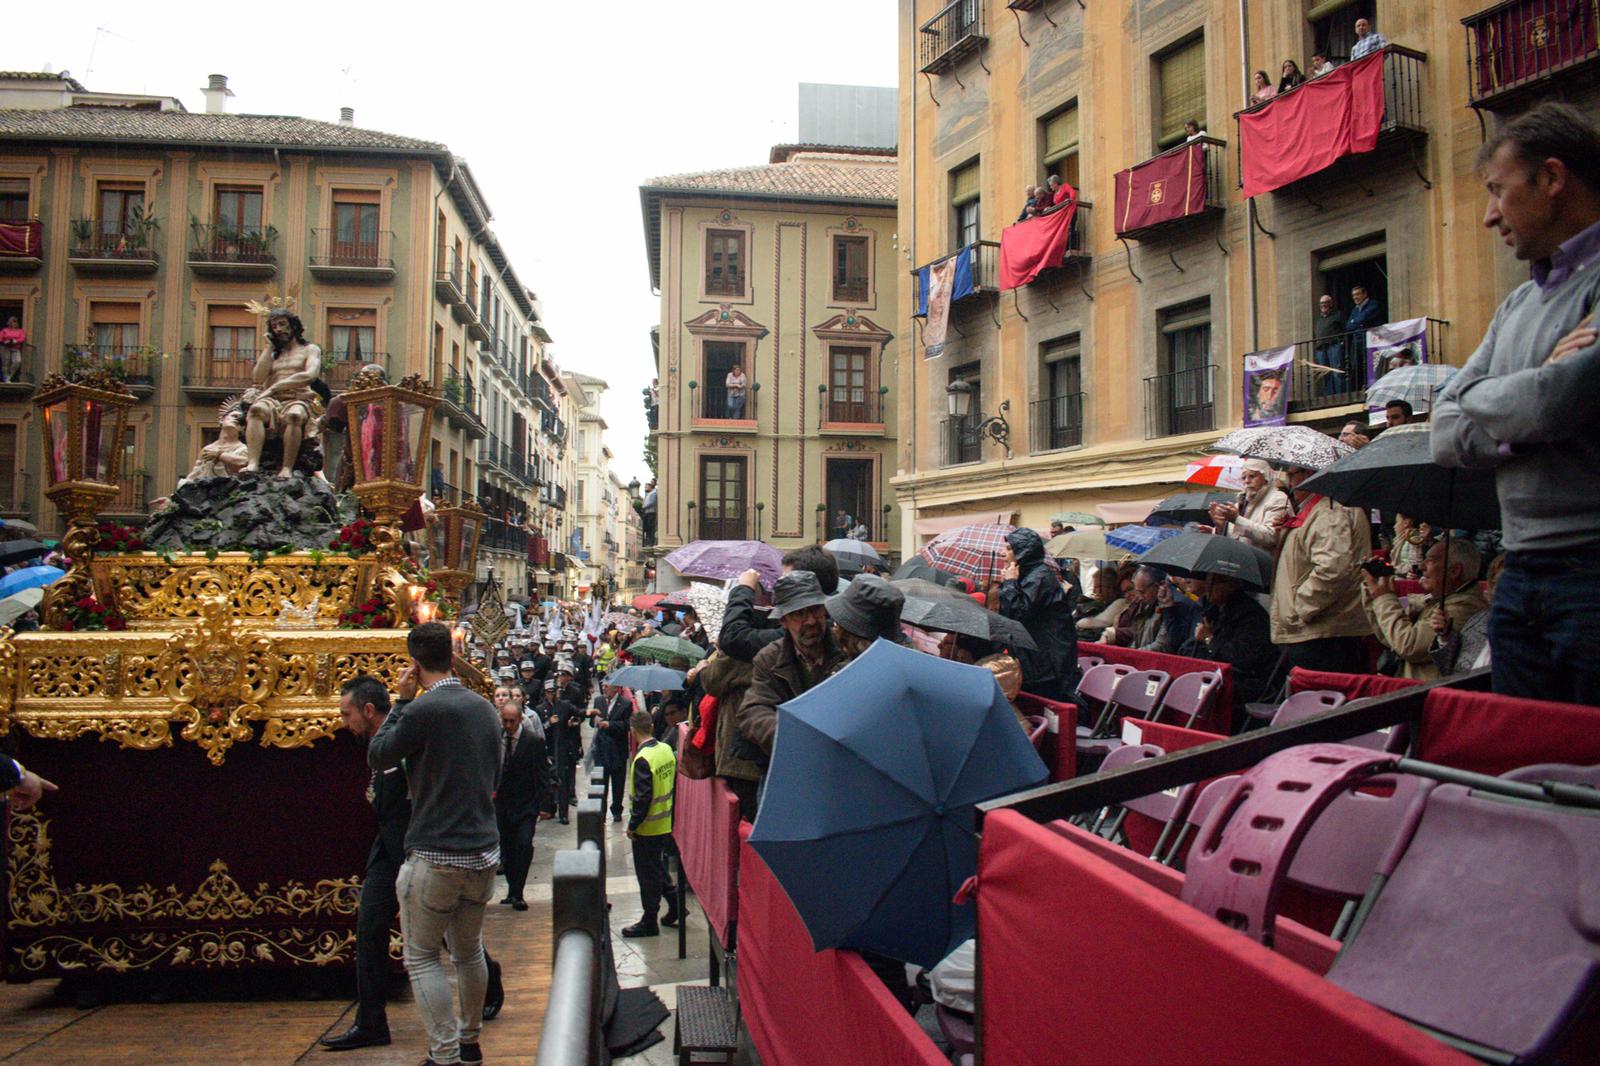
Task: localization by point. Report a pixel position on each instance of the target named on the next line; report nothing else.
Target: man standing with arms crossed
(449, 739)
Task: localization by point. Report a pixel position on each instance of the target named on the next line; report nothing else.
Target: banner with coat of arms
(1168, 187)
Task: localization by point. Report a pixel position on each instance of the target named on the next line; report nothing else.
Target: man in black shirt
(562, 721)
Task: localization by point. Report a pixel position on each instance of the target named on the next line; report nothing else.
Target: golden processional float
(183, 688)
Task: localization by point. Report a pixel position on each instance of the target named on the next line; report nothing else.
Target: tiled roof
(187, 127)
(40, 75)
(812, 175)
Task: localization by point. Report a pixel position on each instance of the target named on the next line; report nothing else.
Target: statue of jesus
(282, 403)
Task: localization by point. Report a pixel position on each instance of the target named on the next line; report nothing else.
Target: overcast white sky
(562, 109)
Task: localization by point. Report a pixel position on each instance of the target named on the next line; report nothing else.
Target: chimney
(347, 116)
(217, 94)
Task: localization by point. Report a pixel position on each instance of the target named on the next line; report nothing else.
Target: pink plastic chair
(1138, 693)
(1096, 687)
(1191, 694)
(1089, 662)
(1207, 798)
(1313, 702)
(1167, 807)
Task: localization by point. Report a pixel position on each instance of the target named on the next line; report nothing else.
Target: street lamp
(958, 397)
(84, 422)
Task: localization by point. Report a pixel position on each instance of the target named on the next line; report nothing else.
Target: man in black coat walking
(523, 782)
(611, 743)
(1030, 593)
(562, 725)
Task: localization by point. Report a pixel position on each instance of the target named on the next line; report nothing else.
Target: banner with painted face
(1392, 346)
(1267, 380)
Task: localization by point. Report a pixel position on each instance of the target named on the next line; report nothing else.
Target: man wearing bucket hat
(1252, 518)
(867, 610)
(802, 659)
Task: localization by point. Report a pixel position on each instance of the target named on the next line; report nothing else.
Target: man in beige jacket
(1409, 634)
(1254, 517)
(1317, 618)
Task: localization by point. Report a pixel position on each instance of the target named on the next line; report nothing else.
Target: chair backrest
(1161, 806)
(1140, 691)
(1190, 694)
(1489, 928)
(1306, 704)
(1089, 662)
(1099, 681)
(1346, 844)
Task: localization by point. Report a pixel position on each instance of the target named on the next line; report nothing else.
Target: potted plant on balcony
(452, 390)
(137, 229)
(257, 243)
(82, 233)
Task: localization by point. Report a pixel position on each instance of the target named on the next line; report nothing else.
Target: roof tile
(809, 174)
(188, 127)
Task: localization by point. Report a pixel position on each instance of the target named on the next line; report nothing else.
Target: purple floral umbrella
(725, 559)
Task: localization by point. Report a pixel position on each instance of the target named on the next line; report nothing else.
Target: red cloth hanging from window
(1313, 126)
(1029, 248)
(23, 239)
(1168, 187)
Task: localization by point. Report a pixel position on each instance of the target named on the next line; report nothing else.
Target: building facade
(143, 230)
(787, 272)
(1124, 361)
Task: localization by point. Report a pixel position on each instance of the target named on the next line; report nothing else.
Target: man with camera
(1408, 631)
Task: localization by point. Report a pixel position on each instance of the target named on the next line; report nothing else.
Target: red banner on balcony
(21, 239)
(1031, 247)
(1520, 41)
(1313, 126)
(1164, 189)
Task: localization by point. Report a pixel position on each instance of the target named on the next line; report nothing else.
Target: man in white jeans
(449, 740)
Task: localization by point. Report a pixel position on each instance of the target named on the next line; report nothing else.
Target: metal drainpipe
(1250, 221)
(911, 25)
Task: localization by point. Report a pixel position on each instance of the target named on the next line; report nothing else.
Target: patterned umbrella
(1077, 518)
(720, 560)
(1299, 446)
(1416, 385)
(620, 621)
(1222, 471)
(708, 602)
(1139, 539)
(976, 551)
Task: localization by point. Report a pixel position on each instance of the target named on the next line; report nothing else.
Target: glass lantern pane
(56, 435)
(407, 468)
(469, 533)
(98, 438)
(368, 441)
(438, 542)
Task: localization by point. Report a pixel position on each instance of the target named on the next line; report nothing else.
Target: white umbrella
(14, 607)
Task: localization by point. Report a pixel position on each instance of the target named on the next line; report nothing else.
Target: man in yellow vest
(655, 772)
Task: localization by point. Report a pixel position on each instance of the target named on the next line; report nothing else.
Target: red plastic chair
(1168, 807)
(1191, 694)
(1136, 693)
(1312, 702)
(1206, 799)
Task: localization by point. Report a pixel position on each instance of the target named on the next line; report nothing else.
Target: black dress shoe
(671, 919)
(641, 928)
(494, 994)
(564, 820)
(508, 900)
(471, 1053)
(616, 816)
(519, 904)
(355, 1037)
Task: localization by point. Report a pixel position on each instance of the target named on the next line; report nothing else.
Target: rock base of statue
(247, 513)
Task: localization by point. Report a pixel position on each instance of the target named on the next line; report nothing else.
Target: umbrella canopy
(29, 577)
(931, 606)
(852, 555)
(1416, 385)
(1188, 507)
(1136, 540)
(918, 567)
(1193, 554)
(1077, 518)
(646, 678)
(13, 552)
(724, 559)
(14, 607)
(19, 525)
(675, 598)
(1087, 544)
(1396, 472)
(976, 551)
(877, 771)
(648, 601)
(1299, 446)
(1219, 470)
(619, 620)
(708, 602)
(665, 648)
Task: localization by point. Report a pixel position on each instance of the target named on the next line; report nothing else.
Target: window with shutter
(965, 198)
(850, 280)
(1060, 144)
(1181, 90)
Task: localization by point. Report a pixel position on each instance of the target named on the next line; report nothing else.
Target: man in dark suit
(522, 786)
(562, 724)
(611, 743)
(363, 705)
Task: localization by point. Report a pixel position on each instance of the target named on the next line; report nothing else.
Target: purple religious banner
(1267, 377)
(1390, 347)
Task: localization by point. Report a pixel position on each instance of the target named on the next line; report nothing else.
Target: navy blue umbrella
(868, 818)
(646, 677)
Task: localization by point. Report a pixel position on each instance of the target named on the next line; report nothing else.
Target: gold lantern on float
(84, 422)
(453, 546)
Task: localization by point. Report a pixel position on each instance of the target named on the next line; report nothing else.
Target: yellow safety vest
(663, 776)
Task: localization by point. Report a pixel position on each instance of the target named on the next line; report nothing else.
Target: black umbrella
(1194, 554)
(13, 552)
(918, 567)
(1396, 473)
(1188, 507)
(932, 606)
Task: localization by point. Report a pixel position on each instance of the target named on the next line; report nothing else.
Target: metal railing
(221, 242)
(959, 441)
(369, 253)
(1055, 423)
(447, 280)
(338, 367)
(94, 238)
(713, 402)
(136, 366)
(446, 493)
(571, 1033)
(132, 496)
(985, 266)
(852, 405)
(1181, 402)
(14, 498)
(1521, 43)
(1211, 149)
(489, 450)
(459, 393)
(950, 35)
(1346, 372)
(223, 369)
(19, 366)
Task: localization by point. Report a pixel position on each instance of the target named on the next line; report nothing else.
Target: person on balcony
(1030, 204)
(1291, 76)
(12, 338)
(1321, 64)
(1055, 196)
(1368, 40)
(1262, 88)
(1327, 350)
(1192, 130)
(735, 383)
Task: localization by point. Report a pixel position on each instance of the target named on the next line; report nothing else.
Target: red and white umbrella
(1221, 471)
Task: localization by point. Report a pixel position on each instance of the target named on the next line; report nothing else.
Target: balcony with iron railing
(134, 366)
(339, 366)
(712, 403)
(21, 245)
(985, 268)
(368, 258)
(1154, 197)
(1180, 402)
(950, 36)
(223, 250)
(1524, 48)
(132, 498)
(1335, 371)
(959, 441)
(19, 369)
(1055, 423)
(212, 373)
(477, 328)
(851, 409)
(448, 286)
(113, 246)
(460, 405)
(15, 501)
(445, 494)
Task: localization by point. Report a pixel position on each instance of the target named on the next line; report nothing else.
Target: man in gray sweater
(448, 738)
(1527, 403)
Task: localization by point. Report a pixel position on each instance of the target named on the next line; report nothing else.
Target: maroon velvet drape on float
(1164, 189)
(1029, 248)
(1312, 126)
(21, 239)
